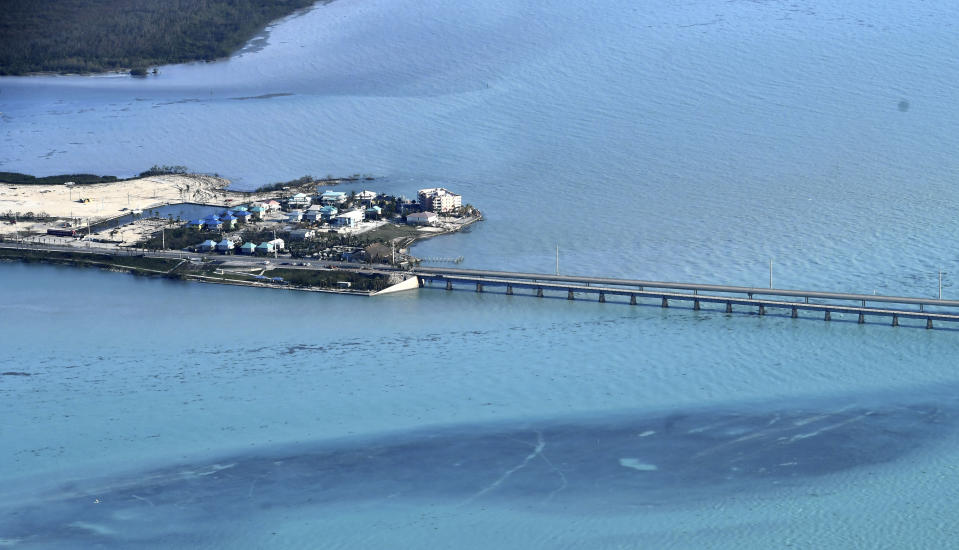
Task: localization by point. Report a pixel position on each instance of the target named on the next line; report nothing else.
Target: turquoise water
(689, 142)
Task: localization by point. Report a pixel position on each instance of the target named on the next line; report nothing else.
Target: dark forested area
(79, 36)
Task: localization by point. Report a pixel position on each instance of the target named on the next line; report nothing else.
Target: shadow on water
(610, 463)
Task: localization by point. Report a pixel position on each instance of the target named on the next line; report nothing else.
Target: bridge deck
(741, 296)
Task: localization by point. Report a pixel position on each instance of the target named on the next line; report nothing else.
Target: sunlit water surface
(691, 142)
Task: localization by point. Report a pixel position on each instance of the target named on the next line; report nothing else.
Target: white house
(333, 197)
(349, 219)
(366, 195)
(295, 216)
(302, 234)
(299, 200)
(421, 218)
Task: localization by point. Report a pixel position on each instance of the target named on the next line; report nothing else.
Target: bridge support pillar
(929, 323)
(794, 313)
(827, 317)
(895, 320)
(729, 307)
(449, 285)
(762, 309)
(509, 290)
(539, 292)
(665, 302)
(420, 281)
(569, 295)
(862, 319)
(479, 287)
(602, 297)
(695, 305)
(632, 299)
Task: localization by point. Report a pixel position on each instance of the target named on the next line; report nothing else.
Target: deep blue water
(685, 141)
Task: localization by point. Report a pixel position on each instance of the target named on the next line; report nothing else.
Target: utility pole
(557, 259)
(940, 283)
(770, 273)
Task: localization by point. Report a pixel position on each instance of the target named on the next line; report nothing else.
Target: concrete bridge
(757, 300)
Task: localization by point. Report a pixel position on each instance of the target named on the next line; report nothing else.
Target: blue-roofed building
(207, 246)
(332, 197)
(243, 216)
(240, 209)
(258, 212)
(213, 224)
(329, 212)
(374, 212)
(224, 246)
(295, 216)
(229, 221)
(196, 224)
(264, 248)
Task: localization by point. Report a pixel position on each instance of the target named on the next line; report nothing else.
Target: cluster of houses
(228, 246)
(241, 214)
(327, 207)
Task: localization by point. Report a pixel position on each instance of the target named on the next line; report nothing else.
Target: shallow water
(689, 142)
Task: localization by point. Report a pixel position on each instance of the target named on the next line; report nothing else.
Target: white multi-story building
(439, 199)
(349, 219)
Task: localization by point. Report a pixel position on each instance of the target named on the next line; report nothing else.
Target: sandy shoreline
(109, 200)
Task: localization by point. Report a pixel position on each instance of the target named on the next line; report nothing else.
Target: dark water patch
(263, 96)
(903, 105)
(14, 373)
(177, 102)
(610, 464)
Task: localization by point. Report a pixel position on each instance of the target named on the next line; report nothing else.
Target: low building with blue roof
(224, 246)
(329, 212)
(332, 197)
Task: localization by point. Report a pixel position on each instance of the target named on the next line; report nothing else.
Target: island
(302, 234)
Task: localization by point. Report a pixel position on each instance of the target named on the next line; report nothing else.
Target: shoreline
(121, 264)
(46, 205)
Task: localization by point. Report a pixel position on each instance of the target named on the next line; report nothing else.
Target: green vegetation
(163, 170)
(178, 238)
(82, 36)
(310, 180)
(279, 186)
(136, 264)
(17, 178)
(329, 279)
(10, 216)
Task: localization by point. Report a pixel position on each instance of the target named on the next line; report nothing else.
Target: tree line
(83, 36)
